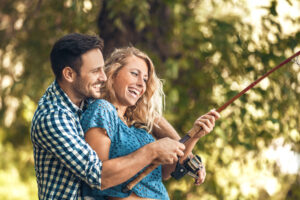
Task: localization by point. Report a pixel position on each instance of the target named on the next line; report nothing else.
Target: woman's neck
(120, 109)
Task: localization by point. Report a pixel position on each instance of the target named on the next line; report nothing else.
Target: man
(62, 158)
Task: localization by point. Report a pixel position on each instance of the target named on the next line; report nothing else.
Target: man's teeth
(97, 85)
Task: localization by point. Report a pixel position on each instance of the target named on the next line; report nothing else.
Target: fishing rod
(195, 130)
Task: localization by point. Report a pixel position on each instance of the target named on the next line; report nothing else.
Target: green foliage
(206, 53)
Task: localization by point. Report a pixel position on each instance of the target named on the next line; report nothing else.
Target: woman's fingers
(207, 122)
(201, 175)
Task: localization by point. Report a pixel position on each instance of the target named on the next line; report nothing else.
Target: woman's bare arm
(207, 123)
(162, 128)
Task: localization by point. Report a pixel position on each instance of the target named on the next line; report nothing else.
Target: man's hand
(206, 123)
(167, 151)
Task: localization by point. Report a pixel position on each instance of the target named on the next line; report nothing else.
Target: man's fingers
(169, 150)
(180, 153)
(181, 146)
(174, 160)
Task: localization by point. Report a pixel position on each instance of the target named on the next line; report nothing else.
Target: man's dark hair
(67, 51)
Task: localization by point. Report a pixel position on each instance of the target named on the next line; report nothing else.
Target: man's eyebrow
(97, 68)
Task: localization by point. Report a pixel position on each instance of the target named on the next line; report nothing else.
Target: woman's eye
(145, 80)
(134, 73)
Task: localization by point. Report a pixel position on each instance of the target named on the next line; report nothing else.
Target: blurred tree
(207, 54)
(205, 50)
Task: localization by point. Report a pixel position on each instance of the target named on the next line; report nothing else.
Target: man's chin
(96, 95)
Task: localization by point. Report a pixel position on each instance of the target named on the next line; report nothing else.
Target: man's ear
(69, 74)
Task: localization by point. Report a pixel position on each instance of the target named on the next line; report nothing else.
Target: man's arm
(162, 128)
(118, 170)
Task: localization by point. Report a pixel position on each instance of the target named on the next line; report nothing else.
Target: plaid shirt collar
(67, 101)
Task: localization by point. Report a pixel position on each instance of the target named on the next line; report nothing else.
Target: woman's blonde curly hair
(149, 107)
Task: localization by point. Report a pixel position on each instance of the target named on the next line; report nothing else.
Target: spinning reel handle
(190, 166)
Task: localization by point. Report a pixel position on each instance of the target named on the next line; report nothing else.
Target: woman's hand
(201, 175)
(206, 123)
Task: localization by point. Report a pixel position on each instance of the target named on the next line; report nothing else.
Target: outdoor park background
(206, 52)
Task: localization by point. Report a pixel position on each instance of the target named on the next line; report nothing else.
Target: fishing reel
(190, 166)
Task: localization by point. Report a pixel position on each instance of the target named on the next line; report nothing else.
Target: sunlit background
(206, 52)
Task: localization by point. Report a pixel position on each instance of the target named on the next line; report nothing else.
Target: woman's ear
(69, 74)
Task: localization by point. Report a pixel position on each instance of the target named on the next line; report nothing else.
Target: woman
(121, 123)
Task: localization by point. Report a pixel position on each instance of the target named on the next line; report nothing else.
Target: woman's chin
(132, 103)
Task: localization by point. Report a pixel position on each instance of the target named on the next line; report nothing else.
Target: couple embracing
(99, 124)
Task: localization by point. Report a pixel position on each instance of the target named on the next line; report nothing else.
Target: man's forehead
(92, 58)
(93, 52)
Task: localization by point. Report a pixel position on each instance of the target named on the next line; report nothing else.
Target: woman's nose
(140, 81)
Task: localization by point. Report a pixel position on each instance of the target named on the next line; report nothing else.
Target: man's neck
(71, 94)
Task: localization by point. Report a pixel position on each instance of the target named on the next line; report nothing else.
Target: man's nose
(102, 76)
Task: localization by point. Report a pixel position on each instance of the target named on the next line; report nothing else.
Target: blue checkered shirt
(62, 158)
